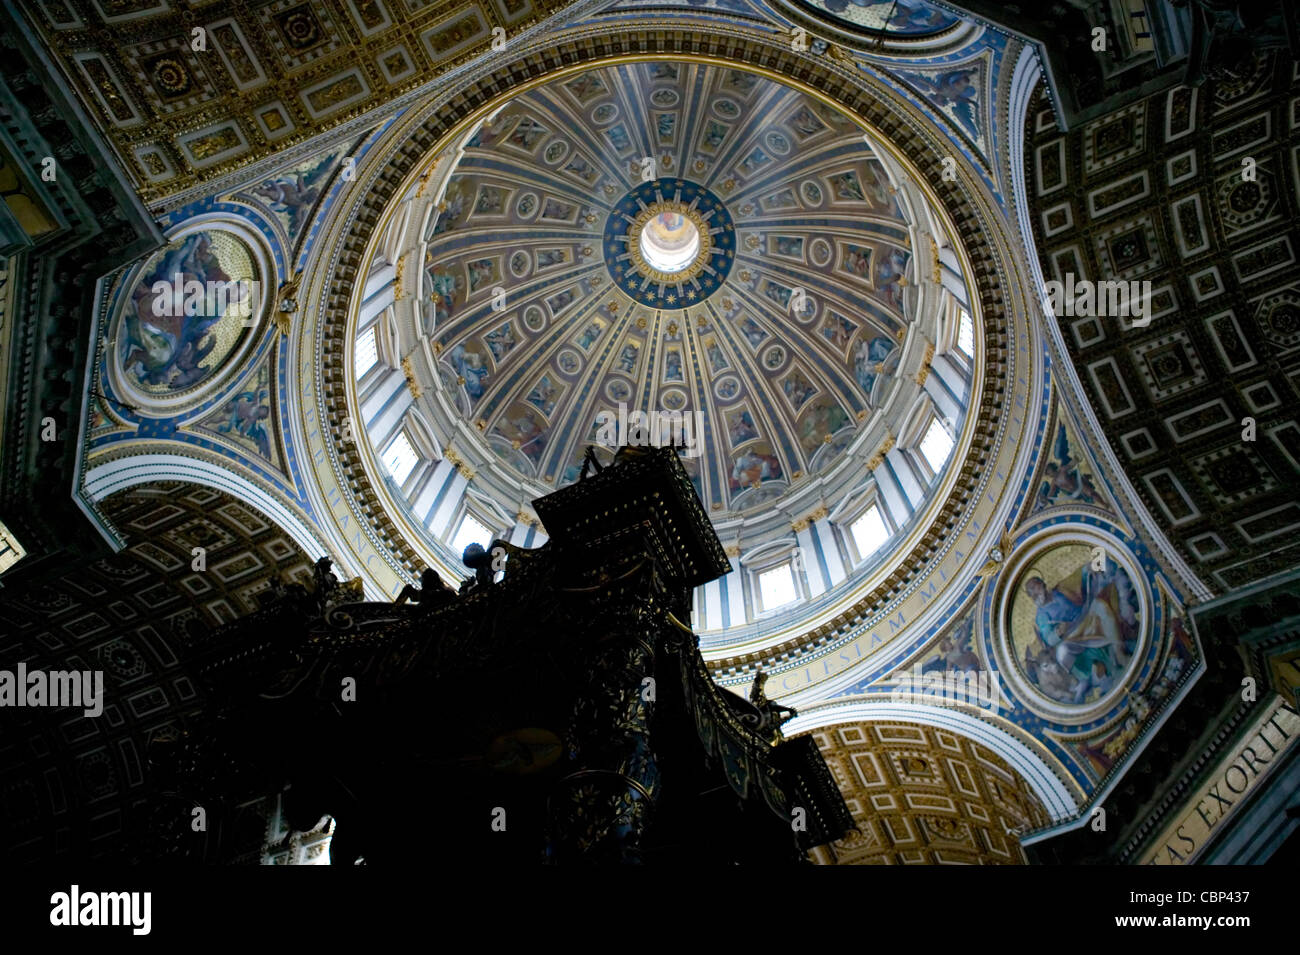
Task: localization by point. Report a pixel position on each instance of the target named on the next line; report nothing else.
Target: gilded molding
(923, 372)
(878, 458)
(459, 463)
(408, 369)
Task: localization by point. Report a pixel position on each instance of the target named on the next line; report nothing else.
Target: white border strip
(79, 495)
(113, 476)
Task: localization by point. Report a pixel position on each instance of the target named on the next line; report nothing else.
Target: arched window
(776, 587)
(965, 333)
(936, 445)
(869, 532)
(471, 530)
(400, 458)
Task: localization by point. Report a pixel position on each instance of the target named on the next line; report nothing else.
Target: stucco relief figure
(1085, 629)
(293, 194)
(1063, 481)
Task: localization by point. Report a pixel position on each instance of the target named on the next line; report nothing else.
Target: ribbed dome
(660, 250)
(671, 238)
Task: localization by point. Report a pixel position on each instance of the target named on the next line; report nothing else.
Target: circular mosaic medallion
(774, 358)
(193, 307)
(726, 108)
(534, 319)
(526, 205)
(673, 399)
(556, 151)
(804, 308)
(1075, 614)
(778, 143)
(820, 252)
(669, 243)
(569, 361)
(728, 388)
(616, 389)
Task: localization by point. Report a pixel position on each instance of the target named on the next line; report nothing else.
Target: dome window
(670, 242)
(965, 333)
(776, 587)
(869, 532)
(936, 445)
(400, 458)
(367, 351)
(470, 531)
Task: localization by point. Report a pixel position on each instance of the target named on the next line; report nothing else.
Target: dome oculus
(669, 243)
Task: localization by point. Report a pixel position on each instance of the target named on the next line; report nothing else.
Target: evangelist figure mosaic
(1075, 623)
(187, 313)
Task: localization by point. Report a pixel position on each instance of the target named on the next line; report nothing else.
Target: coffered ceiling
(923, 796)
(186, 94)
(70, 783)
(1195, 192)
